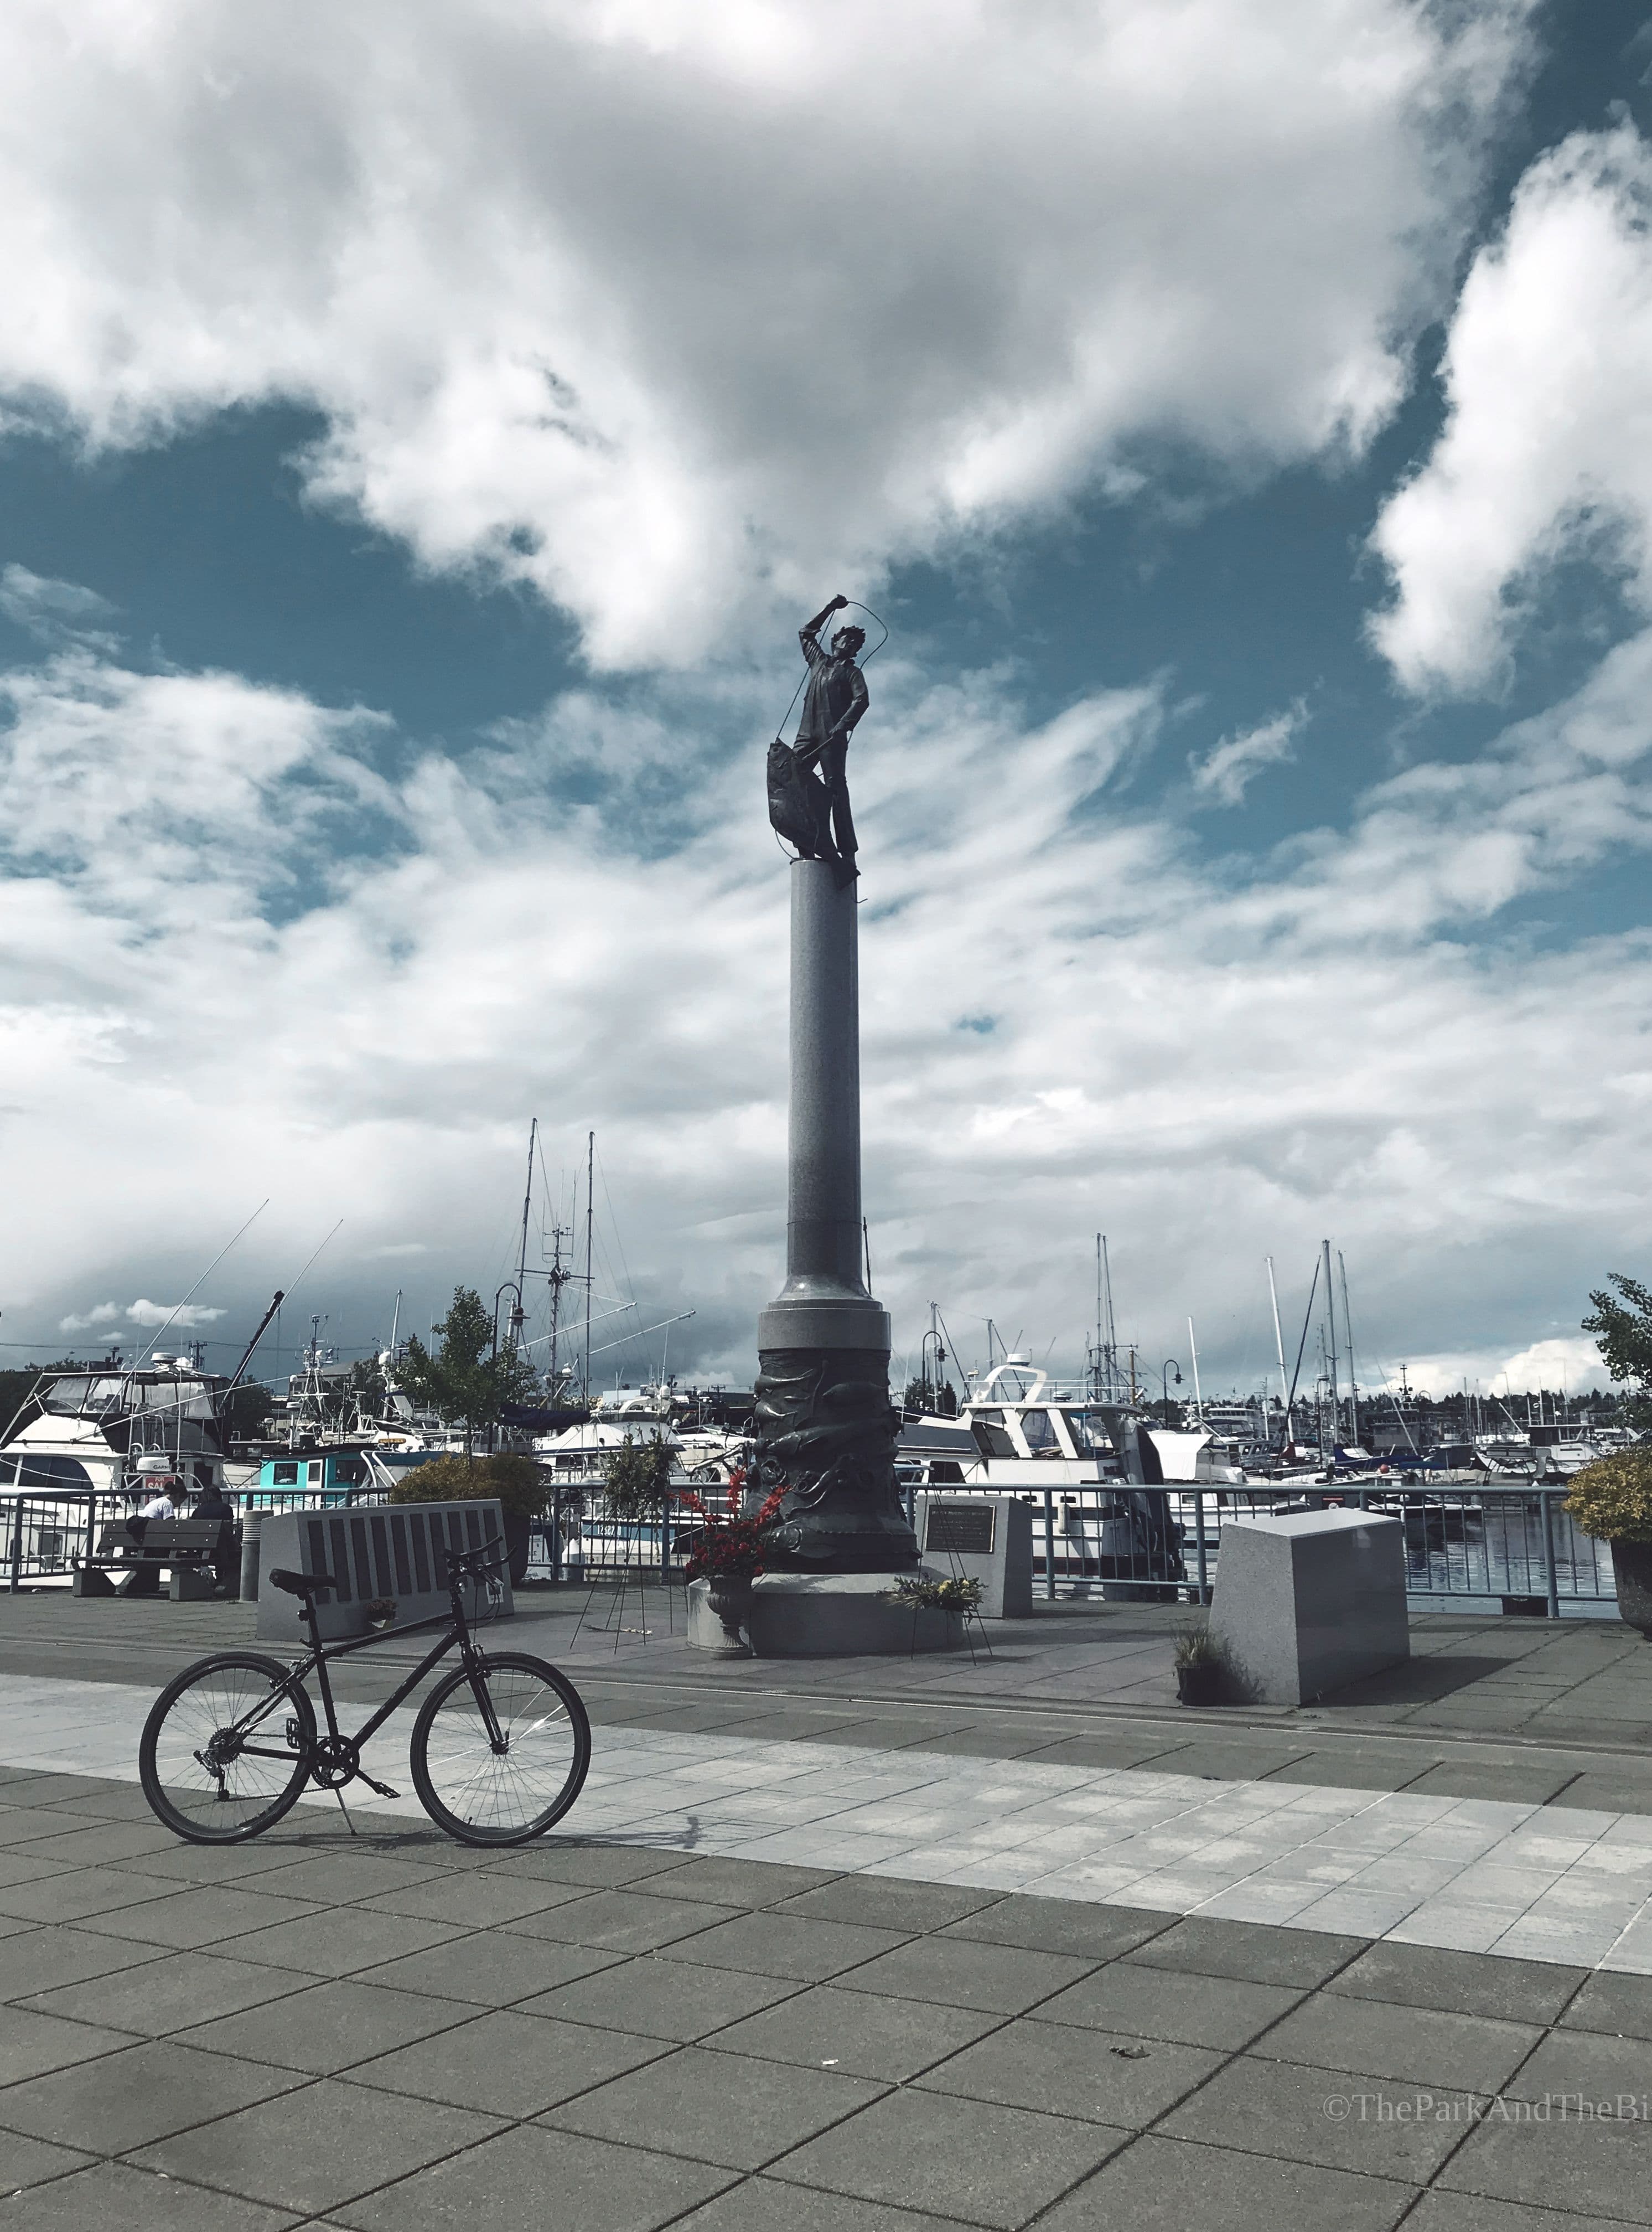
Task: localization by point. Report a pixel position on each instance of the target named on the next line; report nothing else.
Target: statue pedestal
(828, 1616)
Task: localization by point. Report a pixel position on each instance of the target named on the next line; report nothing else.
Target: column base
(826, 1616)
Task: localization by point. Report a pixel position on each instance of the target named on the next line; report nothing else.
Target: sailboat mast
(1331, 1350)
(1198, 1399)
(1278, 1344)
(590, 1213)
(1348, 1336)
(518, 1315)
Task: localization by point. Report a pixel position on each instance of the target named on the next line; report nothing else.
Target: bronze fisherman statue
(809, 809)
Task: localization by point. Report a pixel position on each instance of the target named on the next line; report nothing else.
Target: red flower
(727, 1544)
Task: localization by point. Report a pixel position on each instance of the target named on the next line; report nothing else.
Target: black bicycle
(499, 1752)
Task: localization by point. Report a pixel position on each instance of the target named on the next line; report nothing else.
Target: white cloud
(1209, 1067)
(1230, 766)
(1572, 1362)
(102, 1313)
(184, 1315)
(1547, 452)
(666, 311)
(56, 611)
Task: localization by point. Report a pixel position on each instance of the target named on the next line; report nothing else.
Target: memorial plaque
(966, 1528)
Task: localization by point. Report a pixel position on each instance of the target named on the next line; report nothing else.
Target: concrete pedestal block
(980, 1538)
(1311, 1601)
(828, 1616)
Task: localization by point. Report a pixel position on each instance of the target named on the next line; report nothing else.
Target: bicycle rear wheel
(485, 1796)
(226, 1749)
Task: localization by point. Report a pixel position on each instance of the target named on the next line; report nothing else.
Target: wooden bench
(186, 1547)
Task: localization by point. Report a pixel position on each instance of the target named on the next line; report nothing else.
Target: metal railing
(1516, 1547)
(45, 1529)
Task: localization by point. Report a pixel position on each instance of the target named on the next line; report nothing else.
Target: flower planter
(731, 1599)
(1632, 1569)
(1200, 1684)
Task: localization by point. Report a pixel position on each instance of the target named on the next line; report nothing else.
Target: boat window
(283, 1476)
(944, 1473)
(349, 1472)
(315, 1472)
(52, 1472)
(1089, 1432)
(990, 1437)
(1040, 1434)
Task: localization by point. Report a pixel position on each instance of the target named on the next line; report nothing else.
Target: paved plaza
(855, 1946)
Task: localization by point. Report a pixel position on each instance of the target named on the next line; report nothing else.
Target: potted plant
(515, 1482)
(726, 1550)
(1612, 1500)
(1201, 1666)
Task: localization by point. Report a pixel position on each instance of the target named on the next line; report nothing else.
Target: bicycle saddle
(300, 1584)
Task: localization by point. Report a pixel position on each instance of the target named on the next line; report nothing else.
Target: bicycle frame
(456, 1626)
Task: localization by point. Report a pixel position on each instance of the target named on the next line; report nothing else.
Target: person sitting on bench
(211, 1503)
(156, 1474)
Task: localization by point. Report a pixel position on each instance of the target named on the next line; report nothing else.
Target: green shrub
(1612, 1498)
(636, 1476)
(516, 1481)
(1197, 1646)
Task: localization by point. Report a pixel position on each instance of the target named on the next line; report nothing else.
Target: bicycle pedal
(383, 1788)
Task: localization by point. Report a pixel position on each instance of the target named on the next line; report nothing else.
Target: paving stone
(506, 2064)
(1081, 1927)
(891, 1902)
(32, 2162)
(473, 1900)
(35, 1959)
(136, 2201)
(533, 2176)
(172, 1994)
(597, 1866)
(333, 1879)
(489, 1967)
(955, 2158)
(960, 1973)
(1213, 2011)
(340, 1940)
(655, 1998)
(623, 1921)
(1461, 1983)
(22, 1826)
(1113, 1751)
(865, 2033)
(759, 2204)
(79, 1892)
(1596, 2169)
(85, 1844)
(1531, 1785)
(1611, 2002)
(18, 1865)
(33, 2043)
(785, 1945)
(1103, 2077)
(1277, 2108)
(326, 2027)
(311, 2150)
(717, 2108)
(1477, 2212)
(1170, 2185)
(1418, 2045)
(1249, 1952)
(1591, 2063)
(748, 1883)
(1351, 1769)
(140, 2093)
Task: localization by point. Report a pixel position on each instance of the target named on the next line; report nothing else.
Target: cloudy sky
(423, 429)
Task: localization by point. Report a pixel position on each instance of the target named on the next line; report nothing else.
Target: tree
(463, 1382)
(1623, 1328)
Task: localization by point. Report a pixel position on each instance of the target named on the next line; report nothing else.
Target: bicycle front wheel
(226, 1749)
(485, 1793)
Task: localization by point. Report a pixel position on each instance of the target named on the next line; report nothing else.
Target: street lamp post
(1168, 1366)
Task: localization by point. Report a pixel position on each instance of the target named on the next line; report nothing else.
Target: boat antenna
(1331, 1350)
(205, 1276)
(263, 1327)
